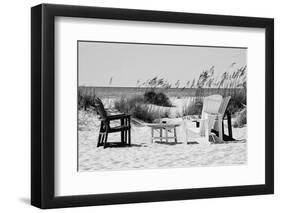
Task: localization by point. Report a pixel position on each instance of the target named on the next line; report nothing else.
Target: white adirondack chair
(210, 114)
(213, 117)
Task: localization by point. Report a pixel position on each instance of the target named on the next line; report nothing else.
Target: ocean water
(113, 92)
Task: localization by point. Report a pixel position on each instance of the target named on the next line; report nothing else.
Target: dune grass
(139, 108)
(155, 93)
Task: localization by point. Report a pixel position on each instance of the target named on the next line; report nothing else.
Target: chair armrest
(218, 116)
(214, 114)
(199, 119)
(118, 116)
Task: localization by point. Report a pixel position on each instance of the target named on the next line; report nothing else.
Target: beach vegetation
(140, 109)
(157, 98)
(241, 119)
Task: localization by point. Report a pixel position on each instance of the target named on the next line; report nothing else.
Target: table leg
(166, 134)
(161, 135)
(175, 134)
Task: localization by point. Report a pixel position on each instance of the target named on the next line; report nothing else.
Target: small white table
(166, 128)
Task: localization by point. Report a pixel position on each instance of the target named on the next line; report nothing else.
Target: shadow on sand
(168, 143)
(120, 145)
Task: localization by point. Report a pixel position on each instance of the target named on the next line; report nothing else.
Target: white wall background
(15, 105)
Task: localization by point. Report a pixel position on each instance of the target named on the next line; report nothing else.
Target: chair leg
(122, 132)
(129, 137)
(125, 133)
(98, 144)
(175, 134)
(100, 135)
(220, 128)
(129, 131)
(99, 140)
(105, 140)
(122, 137)
(126, 137)
(161, 130)
(102, 138)
(229, 125)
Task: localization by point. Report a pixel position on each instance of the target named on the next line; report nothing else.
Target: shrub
(85, 101)
(157, 98)
(143, 113)
(138, 108)
(237, 102)
(149, 96)
(85, 98)
(121, 105)
(126, 105)
(194, 107)
(241, 119)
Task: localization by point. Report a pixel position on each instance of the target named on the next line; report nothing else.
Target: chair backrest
(222, 111)
(224, 105)
(100, 108)
(212, 103)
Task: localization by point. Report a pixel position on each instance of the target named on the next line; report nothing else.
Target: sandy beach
(146, 155)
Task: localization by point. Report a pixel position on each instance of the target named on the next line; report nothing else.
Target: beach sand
(143, 154)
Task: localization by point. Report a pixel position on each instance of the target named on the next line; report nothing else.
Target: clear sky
(124, 64)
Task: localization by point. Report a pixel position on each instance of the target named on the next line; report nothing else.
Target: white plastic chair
(210, 114)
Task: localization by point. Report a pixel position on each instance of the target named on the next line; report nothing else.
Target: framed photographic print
(139, 106)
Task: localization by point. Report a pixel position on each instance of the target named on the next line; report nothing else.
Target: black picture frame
(43, 102)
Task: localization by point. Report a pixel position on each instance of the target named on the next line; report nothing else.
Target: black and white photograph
(159, 106)
(132, 106)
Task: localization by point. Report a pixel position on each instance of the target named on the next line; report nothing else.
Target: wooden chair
(105, 128)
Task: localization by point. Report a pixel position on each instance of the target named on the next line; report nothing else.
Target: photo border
(43, 105)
